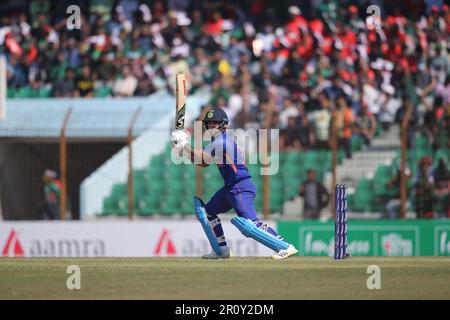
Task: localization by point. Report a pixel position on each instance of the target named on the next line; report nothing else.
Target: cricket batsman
(238, 192)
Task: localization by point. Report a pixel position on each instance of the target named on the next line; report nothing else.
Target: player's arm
(180, 140)
(206, 158)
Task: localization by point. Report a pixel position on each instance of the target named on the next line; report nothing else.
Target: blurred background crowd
(268, 65)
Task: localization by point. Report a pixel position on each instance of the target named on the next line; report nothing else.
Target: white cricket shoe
(226, 253)
(283, 254)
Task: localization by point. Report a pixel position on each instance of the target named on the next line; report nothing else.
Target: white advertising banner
(118, 239)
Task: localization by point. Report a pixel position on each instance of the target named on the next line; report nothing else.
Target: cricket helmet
(216, 115)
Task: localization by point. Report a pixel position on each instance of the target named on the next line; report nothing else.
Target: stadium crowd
(270, 64)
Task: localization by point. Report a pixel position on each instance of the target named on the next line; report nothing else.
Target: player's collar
(222, 133)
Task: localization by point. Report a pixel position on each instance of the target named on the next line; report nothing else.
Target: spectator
(366, 124)
(126, 85)
(145, 85)
(442, 189)
(289, 110)
(425, 83)
(434, 119)
(439, 63)
(344, 123)
(221, 102)
(315, 196)
(234, 51)
(16, 75)
(240, 97)
(393, 204)
(321, 121)
(290, 137)
(52, 192)
(424, 188)
(291, 51)
(200, 69)
(66, 87)
(303, 125)
(106, 69)
(60, 65)
(443, 90)
(39, 8)
(84, 83)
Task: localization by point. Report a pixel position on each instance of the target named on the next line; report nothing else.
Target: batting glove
(179, 139)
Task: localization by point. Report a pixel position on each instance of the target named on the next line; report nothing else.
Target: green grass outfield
(237, 278)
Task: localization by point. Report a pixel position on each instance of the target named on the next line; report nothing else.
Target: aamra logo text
(165, 245)
(12, 246)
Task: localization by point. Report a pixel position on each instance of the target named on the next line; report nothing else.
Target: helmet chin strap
(213, 133)
(222, 126)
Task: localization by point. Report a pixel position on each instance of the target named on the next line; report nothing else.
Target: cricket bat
(181, 94)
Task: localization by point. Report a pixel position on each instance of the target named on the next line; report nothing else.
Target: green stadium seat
(168, 151)
(140, 175)
(351, 202)
(122, 206)
(119, 190)
(378, 131)
(340, 156)
(188, 171)
(382, 175)
(170, 205)
(258, 179)
(189, 183)
(421, 141)
(158, 161)
(175, 186)
(140, 186)
(442, 140)
(210, 172)
(292, 158)
(156, 186)
(326, 159)
(156, 173)
(276, 200)
(25, 92)
(365, 184)
(44, 92)
(254, 170)
(187, 207)
(213, 183)
(293, 169)
(173, 171)
(442, 153)
(362, 201)
(356, 143)
(148, 205)
(109, 206)
(11, 92)
(313, 160)
(291, 188)
(103, 92)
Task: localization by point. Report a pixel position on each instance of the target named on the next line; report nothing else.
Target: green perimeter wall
(371, 238)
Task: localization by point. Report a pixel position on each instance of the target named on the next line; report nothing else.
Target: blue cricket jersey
(228, 158)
